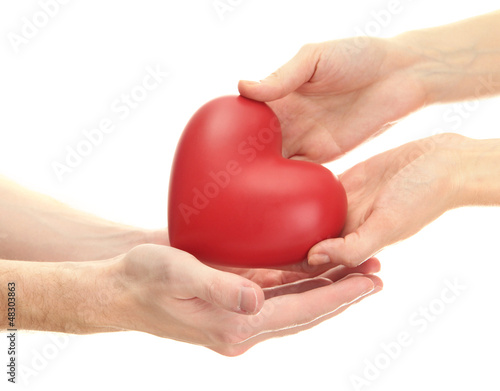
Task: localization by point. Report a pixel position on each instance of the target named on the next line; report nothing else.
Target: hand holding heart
(332, 96)
(329, 98)
(169, 293)
(394, 195)
(235, 201)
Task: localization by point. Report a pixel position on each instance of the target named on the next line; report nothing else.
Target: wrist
(117, 307)
(436, 67)
(96, 310)
(68, 297)
(479, 173)
(457, 61)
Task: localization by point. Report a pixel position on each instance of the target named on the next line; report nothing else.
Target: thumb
(286, 79)
(355, 248)
(223, 289)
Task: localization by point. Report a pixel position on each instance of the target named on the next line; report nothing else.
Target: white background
(66, 78)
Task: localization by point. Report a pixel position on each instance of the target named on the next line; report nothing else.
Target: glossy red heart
(235, 200)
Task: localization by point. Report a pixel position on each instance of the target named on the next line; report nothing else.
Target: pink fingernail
(250, 82)
(319, 259)
(247, 300)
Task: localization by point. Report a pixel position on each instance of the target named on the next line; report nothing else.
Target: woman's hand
(393, 195)
(334, 95)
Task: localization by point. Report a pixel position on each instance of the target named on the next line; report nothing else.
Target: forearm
(70, 297)
(458, 61)
(478, 169)
(35, 227)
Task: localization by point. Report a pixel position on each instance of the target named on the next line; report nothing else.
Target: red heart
(234, 200)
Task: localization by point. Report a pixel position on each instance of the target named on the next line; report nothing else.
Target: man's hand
(169, 293)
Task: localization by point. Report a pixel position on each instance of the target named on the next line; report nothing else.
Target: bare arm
(459, 61)
(168, 293)
(66, 297)
(35, 227)
(126, 285)
(334, 95)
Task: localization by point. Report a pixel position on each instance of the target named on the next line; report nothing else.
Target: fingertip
(373, 265)
(247, 300)
(359, 285)
(379, 284)
(250, 300)
(321, 253)
(351, 250)
(245, 87)
(301, 158)
(251, 89)
(262, 91)
(247, 83)
(260, 300)
(318, 259)
(369, 286)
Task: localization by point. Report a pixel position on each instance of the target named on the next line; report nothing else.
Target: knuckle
(213, 290)
(142, 248)
(308, 48)
(312, 52)
(276, 74)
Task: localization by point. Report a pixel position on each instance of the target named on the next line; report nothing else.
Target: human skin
(77, 273)
(395, 194)
(335, 95)
(332, 96)
(36, 227)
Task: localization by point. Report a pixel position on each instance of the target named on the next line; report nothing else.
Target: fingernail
(369, 289)
(318, 259)
(250, 82)
(247, 301)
